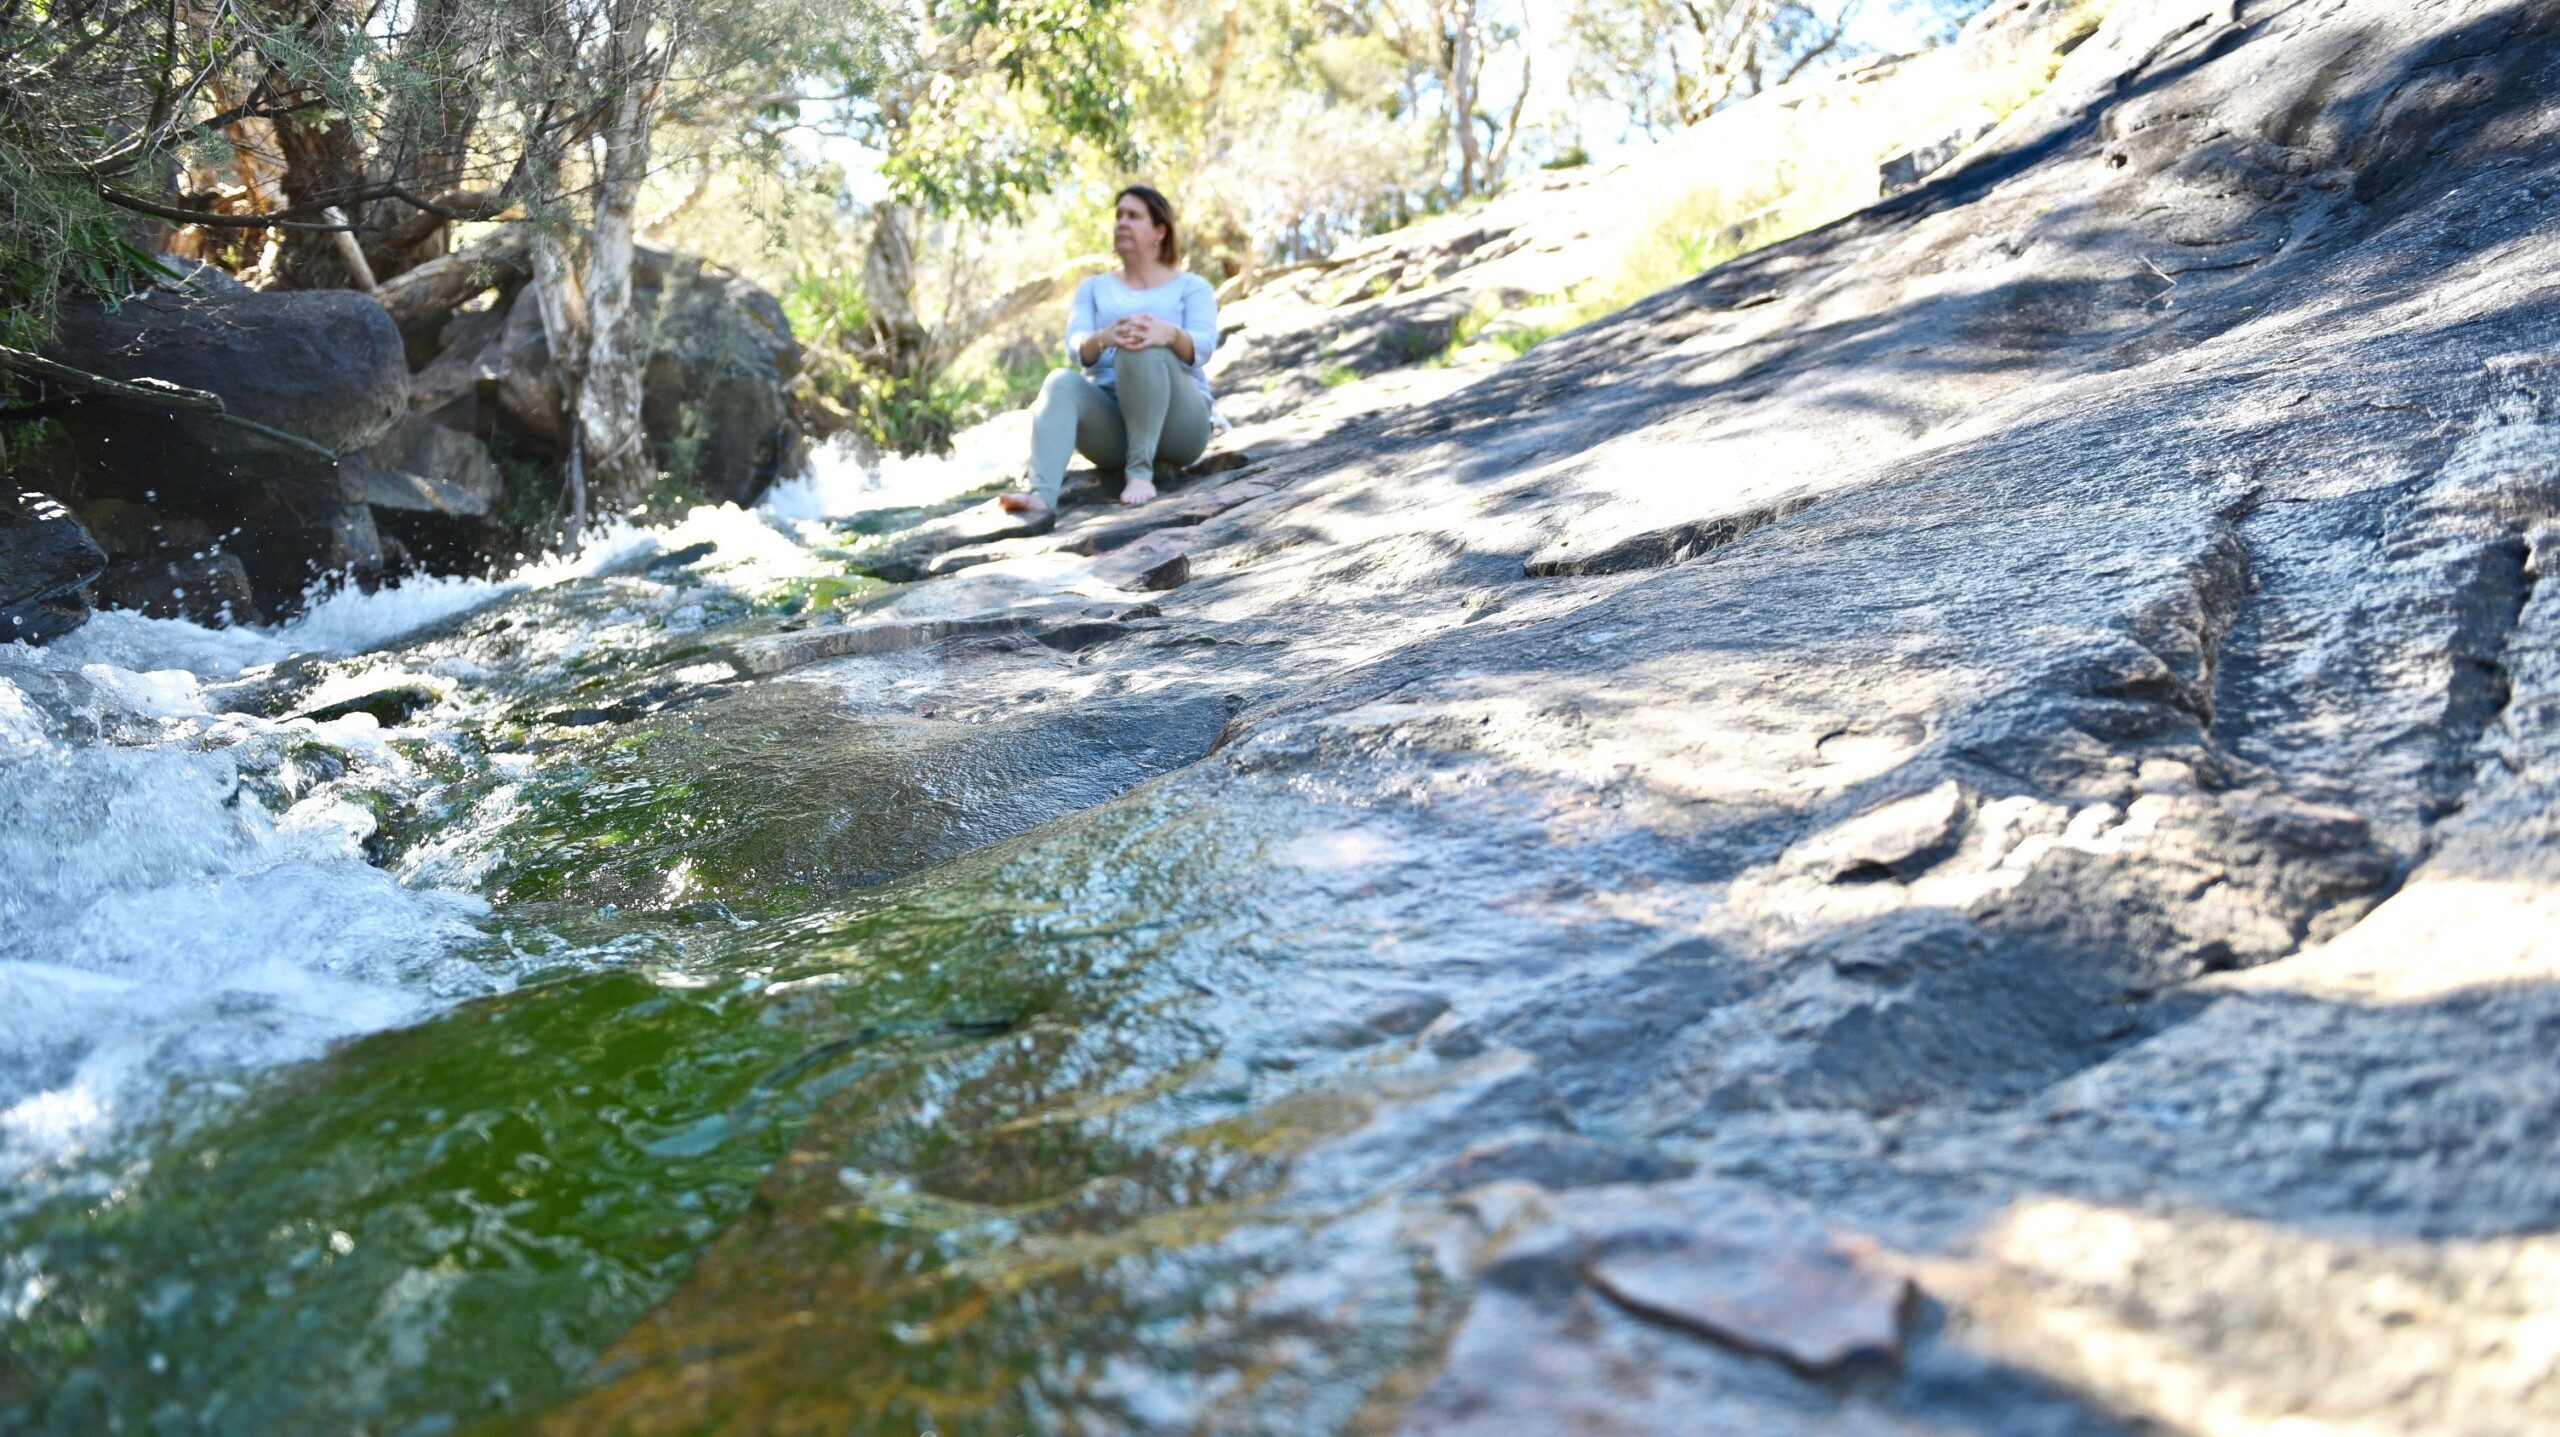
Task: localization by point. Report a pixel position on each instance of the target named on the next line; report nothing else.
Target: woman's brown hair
(1160, 210)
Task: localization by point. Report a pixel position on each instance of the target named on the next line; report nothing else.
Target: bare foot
(1023, 502)
(1137, 491)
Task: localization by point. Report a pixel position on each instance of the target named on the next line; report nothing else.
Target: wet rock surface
(1948, 828)
(46, 562)
(1949, 728)
(213, 590)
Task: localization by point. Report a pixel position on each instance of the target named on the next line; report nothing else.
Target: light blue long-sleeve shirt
(1185, 301)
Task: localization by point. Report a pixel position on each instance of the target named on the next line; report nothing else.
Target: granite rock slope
(1946, 828)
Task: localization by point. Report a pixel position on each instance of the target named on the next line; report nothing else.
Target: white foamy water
(162, 921)
(185, 896)
(843, 482)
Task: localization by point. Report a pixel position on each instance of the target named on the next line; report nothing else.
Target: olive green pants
(1158, 414)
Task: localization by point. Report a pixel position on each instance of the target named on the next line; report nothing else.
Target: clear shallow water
(382, 1078)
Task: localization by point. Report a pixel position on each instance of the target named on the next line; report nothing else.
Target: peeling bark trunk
(564, 329)
(616, 447)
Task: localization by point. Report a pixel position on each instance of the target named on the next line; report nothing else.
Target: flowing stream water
(399, 1004)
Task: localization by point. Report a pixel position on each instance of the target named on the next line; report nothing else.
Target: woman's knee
(1058, 391)
(1159, 359)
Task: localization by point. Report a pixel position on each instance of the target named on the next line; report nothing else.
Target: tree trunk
(1464, 65)
(564, 333)
(319, 159)
(1501, 158)
(898, 334)
(428, 144)
(616, 447)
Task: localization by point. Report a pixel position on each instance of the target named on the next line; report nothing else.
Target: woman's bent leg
(1167, 417)
(1186, 424)
(1072, 414)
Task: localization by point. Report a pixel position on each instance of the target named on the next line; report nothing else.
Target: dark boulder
(167, 566)
(46, 559)
(290, 539)
(715, 389)
(212, 590)
(423, 467)
(436, 494)
(126, 530)
(447, 389)
(325, 366)
(518, 390)
(715, 396)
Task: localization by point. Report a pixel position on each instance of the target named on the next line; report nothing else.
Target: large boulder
(324, 366)
(447, 389)
(436, 493)
(518, 389)
(716, 392)
(422, 467)
(46, 560)
(715, 389)
(210, 589)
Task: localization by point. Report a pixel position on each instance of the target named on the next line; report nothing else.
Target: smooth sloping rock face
(906, 557)
(2100, 851)
(862, 800)
(1369, 326)
(2095, 863)
(1714, 1258)
(45, 559)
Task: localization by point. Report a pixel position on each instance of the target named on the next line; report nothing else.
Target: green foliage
(1486, 325)
(532, 502)
(61, 114)
(60, 236)
(1414, 343)
(1519, 339)
(832, 318)
(922, 417)
(977, 107)
(1691, 233)
(828, 309)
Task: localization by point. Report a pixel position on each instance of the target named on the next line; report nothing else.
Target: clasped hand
(1141, 331)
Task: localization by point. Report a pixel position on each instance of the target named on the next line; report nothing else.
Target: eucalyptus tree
(1469, 53)
(1670, 63)
(968, 108)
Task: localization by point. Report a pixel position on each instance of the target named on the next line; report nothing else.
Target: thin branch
(158, 393)
(461, 205)
(141, 147)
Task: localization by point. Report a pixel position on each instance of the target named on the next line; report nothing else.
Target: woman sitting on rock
(1141, 339)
